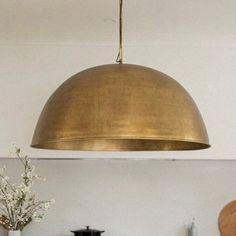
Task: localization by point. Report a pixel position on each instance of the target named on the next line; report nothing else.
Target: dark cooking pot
(87, 232)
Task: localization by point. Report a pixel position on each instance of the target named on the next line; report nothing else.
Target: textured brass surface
(120, 107)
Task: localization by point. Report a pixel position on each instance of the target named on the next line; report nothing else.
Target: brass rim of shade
(103, 144)
(120, 107)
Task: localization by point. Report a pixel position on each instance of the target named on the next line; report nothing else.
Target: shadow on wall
(183, 231)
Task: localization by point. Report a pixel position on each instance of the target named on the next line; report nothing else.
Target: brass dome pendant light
(120, 107)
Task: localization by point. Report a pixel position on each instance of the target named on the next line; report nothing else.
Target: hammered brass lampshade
(120, 107)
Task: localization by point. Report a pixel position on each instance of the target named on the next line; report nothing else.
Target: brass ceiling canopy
(120, 107)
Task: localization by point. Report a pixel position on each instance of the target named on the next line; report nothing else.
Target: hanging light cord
(120, 54)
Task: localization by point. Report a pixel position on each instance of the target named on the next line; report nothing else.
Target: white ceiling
(91, 21)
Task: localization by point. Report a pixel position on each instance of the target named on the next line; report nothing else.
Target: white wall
(128, 198)
(30, 73)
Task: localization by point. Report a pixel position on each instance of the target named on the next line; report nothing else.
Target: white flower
(47, 205)
(9, 196)
(28, 175)
(2, 169)
(52, 201)
(13, 144)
